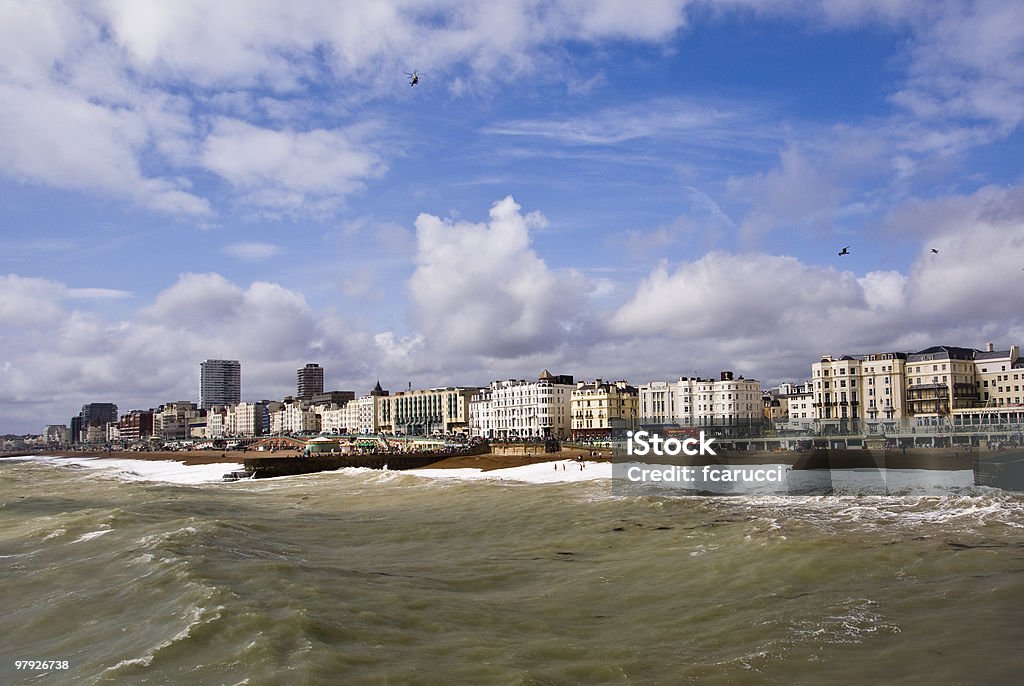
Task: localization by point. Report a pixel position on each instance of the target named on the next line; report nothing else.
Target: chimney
(726, 376)
(989, 347)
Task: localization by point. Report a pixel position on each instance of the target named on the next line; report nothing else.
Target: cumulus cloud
(59, 137)
(776, 313)
(725, 295)
(27, 302)
(289, 169)
(481, 288)
(57, 354)
(485, 305)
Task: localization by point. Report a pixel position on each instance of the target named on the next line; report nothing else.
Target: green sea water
(365, 577)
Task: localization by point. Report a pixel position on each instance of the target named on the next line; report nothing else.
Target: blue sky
(614, 189)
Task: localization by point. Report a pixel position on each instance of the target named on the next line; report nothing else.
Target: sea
(123, 572)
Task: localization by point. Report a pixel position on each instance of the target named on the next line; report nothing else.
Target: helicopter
(414, 78)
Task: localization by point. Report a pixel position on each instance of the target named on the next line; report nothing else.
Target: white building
(999, 375)
(338, 419)
(248, 419)
(425, 412)
(801, 410)
(171, 421)
(481, 414)
(516, 408)
(217, 421)
(727, 401)
(56, 434)
(298, 417)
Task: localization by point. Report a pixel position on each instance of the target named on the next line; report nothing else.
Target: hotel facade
(691, 402)
(516, 408)
(426, 412)
(599, 408)
(938, 384)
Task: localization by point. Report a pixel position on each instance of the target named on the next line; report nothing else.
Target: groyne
(266, 467)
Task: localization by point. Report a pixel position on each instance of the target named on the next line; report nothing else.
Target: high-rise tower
(220, 383)
(309, 381)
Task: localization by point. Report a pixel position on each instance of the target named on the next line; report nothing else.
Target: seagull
(844, 251)
(935, 251)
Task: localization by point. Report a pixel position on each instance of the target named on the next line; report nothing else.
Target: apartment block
(601, 407)
(727, 401)
(220, 383)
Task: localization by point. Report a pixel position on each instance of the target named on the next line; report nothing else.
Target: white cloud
(112, 97)
(27, 302)
(776, 313)
(968, 63)
(287, 169)
(58, 137)
(727, 295)
(484, 305)
(723, 124)
(481, 288)
(104, 78)
(58, 356)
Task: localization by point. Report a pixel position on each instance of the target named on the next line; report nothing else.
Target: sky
(604, 188)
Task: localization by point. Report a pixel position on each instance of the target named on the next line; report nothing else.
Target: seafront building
(353, 415)
(693, 402)
(297, 417)
(216, 422)
(1000, 377)
(248, 419)
(599, 408)
(309, 381)
(880, 392)
(848, 389)
(517, 408)
(426, 412)
(136, 425)
(89, 426)
(940, 379)
(56, 434)
(220, 383)
(171, 421)
(883, 391)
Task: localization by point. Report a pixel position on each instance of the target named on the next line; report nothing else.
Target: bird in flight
(844, 251)
(414, 78)
(935, 251)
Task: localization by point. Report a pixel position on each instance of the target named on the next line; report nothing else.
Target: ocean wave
(194, 618)
(127, 469)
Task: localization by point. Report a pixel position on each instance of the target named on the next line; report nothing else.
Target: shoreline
(192, 458)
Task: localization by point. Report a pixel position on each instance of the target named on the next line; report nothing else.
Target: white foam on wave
(147, 470)
(91, 535)
(560, 471)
